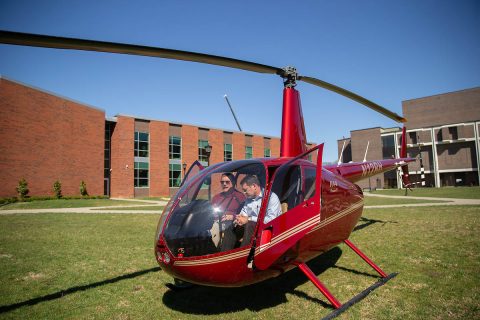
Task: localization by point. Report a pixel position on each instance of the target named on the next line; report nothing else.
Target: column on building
(239, 146)
(122, 158)
(159, 153)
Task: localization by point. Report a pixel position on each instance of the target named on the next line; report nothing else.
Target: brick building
(444, 130)
(45, 137)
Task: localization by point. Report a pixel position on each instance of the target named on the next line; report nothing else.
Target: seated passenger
(226, 205)
(246, 220)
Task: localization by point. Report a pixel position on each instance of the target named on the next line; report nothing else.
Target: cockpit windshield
(207, 209)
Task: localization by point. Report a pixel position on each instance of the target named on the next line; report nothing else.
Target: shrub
(4, 201)
(57, 189)
(22, 189)
(83, 189)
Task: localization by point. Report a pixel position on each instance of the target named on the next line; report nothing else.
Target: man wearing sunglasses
(226, 204)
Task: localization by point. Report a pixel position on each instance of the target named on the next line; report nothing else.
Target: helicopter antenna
(366, 150)
(233, 112)
(341, 154)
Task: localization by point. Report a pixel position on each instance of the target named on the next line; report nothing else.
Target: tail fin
(403, 154)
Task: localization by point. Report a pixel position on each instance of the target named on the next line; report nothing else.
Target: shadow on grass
(263, 295)
(365, 222)
(60, 294)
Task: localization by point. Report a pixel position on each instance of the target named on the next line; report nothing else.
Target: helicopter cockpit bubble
(193, 225)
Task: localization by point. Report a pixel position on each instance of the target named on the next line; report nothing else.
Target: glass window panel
(143, 182)
(227, 152)
(143, 136)
(248, 152)
(202, 154)
(143, 145)
(266, 153)
(175, 147)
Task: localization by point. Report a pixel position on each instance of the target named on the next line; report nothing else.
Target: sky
(386, 51)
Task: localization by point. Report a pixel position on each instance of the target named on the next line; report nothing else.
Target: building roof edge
(51, 93)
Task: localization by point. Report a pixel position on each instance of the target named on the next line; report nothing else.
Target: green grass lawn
(447, 192)
(376, 201)
(150, 208)
(154, 198)
(103, 267)
(70, 203)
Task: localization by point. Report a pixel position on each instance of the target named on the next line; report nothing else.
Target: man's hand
(241, 220)
(228, 217)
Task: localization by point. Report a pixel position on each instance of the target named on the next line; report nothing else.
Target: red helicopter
(320, 205)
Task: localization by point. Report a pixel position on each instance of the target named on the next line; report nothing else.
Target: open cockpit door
(195, 168)
(299, 195)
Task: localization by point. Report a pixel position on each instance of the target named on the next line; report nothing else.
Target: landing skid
(359, 296)
(336, 304)
(179, 285)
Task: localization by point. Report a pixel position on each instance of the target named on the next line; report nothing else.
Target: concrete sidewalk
(149, 203)
(448, 201)
(108, 209)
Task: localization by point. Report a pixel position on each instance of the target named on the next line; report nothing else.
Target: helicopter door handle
(306, 204)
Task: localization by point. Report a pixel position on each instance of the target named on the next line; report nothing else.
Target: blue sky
(387, 51)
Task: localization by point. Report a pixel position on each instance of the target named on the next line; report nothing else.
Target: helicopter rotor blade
(36, 40)
(353, 96)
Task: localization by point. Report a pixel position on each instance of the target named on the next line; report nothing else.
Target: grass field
(150, 208)
(376, 201)
(61, 203)
(102, 267)
(447, 192)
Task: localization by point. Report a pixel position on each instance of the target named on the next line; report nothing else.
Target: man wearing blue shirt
(249, 214)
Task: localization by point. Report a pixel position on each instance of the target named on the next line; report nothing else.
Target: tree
(57, 189)
(22, 189)
(83, 188)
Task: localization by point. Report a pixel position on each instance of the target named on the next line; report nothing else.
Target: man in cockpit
(246, 220)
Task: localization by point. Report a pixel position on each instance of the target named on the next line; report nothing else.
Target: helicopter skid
(179, 285)
(335, 303)
(360, 296)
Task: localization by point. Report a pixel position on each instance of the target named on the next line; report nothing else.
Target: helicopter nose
(161, 253)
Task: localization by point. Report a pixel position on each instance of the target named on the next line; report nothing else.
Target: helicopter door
(195, 168)
(302, 211)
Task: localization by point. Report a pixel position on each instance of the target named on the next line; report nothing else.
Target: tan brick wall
(122, 173)
(44, 138)
(454, 107)
(456, 156)
(158, 158)
(359, 141)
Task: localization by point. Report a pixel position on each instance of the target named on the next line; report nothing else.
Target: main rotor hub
(290, 77)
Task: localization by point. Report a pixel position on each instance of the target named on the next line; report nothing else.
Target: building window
(175, 147)
(227, 152)
(106, 162)
(202, 154)
(141, 144)
(174, 175)
(141, 174)
(248, 152)
(266, 153)
(388, 146)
